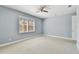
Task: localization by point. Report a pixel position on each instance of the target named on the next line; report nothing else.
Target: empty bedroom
(39, 29)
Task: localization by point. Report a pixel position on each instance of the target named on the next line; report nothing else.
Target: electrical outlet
(10, 39)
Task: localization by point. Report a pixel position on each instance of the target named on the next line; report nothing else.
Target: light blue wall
(9, 25)
(59, 26)
(56, 26)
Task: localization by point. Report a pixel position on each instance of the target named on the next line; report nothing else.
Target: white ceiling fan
(43, 9)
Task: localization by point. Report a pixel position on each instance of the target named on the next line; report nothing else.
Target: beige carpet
(42, 45)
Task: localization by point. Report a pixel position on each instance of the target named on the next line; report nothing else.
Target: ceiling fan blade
(45, 11)
(37, 11)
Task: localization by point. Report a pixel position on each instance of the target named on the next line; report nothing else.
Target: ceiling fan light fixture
(69, 5)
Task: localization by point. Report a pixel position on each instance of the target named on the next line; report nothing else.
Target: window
(26, 25)
(31, 26)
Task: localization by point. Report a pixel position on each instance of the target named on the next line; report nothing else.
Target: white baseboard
(59, 37)
(13, 42)
(9, 43)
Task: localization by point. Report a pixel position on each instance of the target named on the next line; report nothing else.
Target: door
(74, 27)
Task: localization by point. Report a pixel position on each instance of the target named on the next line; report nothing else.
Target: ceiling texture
(53, 10)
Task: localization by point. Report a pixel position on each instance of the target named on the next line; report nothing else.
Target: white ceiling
(54, 10)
